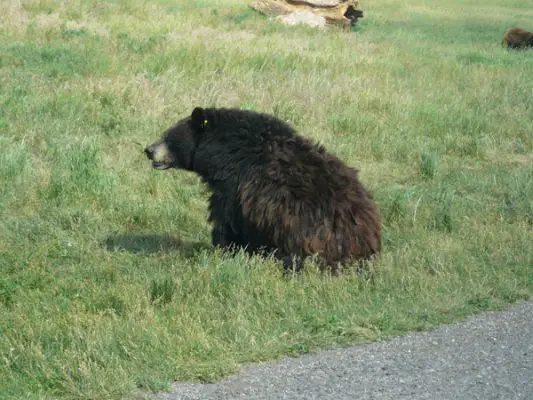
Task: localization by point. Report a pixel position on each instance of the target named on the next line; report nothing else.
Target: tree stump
(337, 12)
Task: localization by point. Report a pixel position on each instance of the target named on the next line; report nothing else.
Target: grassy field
(108, 285)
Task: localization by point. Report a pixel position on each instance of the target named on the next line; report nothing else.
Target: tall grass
(108, 284)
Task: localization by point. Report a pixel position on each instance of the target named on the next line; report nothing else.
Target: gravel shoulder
(487, 356)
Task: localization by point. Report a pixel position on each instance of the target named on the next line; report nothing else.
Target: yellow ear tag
(205, 122)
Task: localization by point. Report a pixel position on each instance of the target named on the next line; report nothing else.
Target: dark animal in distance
(272, 189)
(517, 38)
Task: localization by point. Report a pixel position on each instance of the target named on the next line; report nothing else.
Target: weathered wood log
(338, 12)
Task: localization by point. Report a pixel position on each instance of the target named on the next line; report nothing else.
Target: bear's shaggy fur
(517, 38)
(272, 189)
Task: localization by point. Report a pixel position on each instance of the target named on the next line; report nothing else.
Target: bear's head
(178, 144)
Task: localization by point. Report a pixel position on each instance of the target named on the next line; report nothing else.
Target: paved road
(486, 357)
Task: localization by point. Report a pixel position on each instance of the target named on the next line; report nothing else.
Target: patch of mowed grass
(108, 282)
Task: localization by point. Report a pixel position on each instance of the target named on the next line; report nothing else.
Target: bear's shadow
(152, 243)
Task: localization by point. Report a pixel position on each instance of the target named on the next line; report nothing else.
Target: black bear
(272, 189)
(517, 38)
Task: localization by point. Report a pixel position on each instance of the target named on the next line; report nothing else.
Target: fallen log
(338, 12)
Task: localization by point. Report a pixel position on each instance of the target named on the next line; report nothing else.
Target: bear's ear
(199, 119)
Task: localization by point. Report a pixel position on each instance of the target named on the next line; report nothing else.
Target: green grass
(108, 285)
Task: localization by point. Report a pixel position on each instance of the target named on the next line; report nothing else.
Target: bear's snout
(159, 155)
(149, 151)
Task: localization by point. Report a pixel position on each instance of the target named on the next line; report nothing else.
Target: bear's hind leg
(222, 236)
(291, 264)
